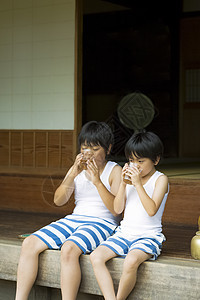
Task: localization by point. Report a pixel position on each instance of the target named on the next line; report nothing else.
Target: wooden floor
(181, 170)
(13, 224)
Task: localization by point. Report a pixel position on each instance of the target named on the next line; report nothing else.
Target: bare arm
(114, 180)
(151, 205)
(120, 199)
(65, 190)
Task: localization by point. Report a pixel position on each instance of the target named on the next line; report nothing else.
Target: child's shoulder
(162, 181)
(116, 167)
(161, 175)
(113, 164)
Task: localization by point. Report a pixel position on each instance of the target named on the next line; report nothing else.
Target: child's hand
(76, 168)
(134, 174)
(93, 171)
(131, 174)
(124, 172)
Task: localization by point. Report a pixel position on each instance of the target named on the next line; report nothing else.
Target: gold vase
(195, 244)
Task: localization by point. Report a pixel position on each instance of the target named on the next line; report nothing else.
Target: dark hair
(144, 144)
(96, 133)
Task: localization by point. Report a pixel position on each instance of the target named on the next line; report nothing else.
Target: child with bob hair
(93, 218)
(139, 236)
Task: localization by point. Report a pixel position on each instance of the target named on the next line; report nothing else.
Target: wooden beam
(78, 74)
(167, 278)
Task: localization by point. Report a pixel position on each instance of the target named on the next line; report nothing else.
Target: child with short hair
(91, 222)
(139, 236)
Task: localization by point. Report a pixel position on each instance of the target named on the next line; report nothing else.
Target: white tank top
(87, 199)
(136, 220)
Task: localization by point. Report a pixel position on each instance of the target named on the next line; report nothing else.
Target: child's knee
(31, 245)
(95, 258)
(131, 263)
(70, 251)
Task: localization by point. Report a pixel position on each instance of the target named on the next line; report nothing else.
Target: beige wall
(37, 64)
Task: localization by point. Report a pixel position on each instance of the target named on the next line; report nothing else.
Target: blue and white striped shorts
(86, 232)
(122, 246)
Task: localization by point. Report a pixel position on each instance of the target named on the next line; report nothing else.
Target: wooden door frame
(78, 73)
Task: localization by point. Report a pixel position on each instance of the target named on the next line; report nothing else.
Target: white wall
(37, 64)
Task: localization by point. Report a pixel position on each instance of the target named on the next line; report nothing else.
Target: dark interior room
(134, 50)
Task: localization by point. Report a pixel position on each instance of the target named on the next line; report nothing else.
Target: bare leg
(99, 258)
(28, 265)
(129, 275)
(70, 270)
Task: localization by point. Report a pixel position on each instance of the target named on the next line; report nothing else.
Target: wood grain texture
(30, 160)
(33, 193)
(183, 203)
(167, 278)
(36, 148)
(29, 193)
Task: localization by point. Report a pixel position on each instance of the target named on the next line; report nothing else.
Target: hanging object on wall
(136, 111)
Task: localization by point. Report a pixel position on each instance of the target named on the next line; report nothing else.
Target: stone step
(167, 278)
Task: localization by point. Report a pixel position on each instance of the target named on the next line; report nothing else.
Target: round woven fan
(136, 111)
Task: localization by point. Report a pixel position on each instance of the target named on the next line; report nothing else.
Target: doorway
(127, 50)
